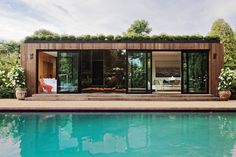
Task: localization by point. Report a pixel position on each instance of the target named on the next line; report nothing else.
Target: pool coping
(13, 105)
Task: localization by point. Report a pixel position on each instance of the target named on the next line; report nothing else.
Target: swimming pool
(155, 134)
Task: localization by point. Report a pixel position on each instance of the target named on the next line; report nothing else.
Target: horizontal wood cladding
(29, 55)
(108, 46)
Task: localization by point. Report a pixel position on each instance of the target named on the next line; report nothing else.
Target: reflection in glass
(114, 73)
(11, 132)
(103, 71)
(86, 69)
(68, 72)
(139, 72)
(195, 72)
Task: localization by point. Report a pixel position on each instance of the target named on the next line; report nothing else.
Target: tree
(139, 27)
(9, 47)
(223, 30)
(43, 32)
(9, 54)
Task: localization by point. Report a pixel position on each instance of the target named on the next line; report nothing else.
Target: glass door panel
(138, 72)
(68, 72)
(86, 70)
(97, 62)
(195, 72)
(115, 71)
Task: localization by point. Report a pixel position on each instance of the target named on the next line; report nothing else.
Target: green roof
(121, 38)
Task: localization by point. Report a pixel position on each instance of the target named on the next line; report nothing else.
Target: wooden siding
(28, 55)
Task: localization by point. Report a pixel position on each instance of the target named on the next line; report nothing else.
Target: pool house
(122, 66)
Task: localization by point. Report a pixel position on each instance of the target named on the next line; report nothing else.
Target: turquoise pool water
(118, 135)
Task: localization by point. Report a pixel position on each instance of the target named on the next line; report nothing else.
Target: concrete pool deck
(15, 105)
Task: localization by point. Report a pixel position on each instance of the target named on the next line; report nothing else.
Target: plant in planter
(225, 83)
(17, 80)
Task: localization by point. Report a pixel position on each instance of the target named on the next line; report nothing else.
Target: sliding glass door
(68, 72)
(104, 71)
(139, 72)
(195, 77)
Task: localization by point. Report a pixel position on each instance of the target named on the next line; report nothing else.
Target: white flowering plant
(226, 79)
(6, 91)
(16, 77)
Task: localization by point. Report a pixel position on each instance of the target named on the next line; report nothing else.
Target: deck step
(122, 95)
(128, 97)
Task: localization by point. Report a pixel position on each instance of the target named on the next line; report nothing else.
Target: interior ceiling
(166, 53)
(154, 53)
(51, 53)
(167, 56)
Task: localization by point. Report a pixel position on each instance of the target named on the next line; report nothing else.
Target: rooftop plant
(115, 38)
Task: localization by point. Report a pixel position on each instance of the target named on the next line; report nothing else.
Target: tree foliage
(222, 29)
(139, 27)
(7, 47)
(43, 32)
(9, 54)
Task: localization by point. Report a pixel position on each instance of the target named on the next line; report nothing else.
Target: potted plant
(17, 78)
(225, 83)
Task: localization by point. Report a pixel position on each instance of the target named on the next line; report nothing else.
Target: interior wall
(46, 66)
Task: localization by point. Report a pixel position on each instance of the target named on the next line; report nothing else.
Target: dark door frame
(147, 91)
(149, 51)
(182, 72)
(78, 70)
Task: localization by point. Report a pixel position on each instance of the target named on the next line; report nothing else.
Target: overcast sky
(19, 18)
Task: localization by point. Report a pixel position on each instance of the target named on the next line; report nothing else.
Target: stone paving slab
(16, 105)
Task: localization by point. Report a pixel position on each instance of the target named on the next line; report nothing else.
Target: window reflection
(195, 72)
(103, 71)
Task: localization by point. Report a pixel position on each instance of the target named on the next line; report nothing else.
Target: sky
(20, 18)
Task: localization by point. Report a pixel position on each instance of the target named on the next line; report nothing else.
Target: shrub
(16, 77)
(93, 38)
(9, 57)
(67, 37)
(84, 37)
(118, 37)
(110, 37)
(101, 37)
(226, 79)
(6, 91)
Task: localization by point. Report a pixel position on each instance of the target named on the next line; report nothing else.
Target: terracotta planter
(224, 95)
(21, 93)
